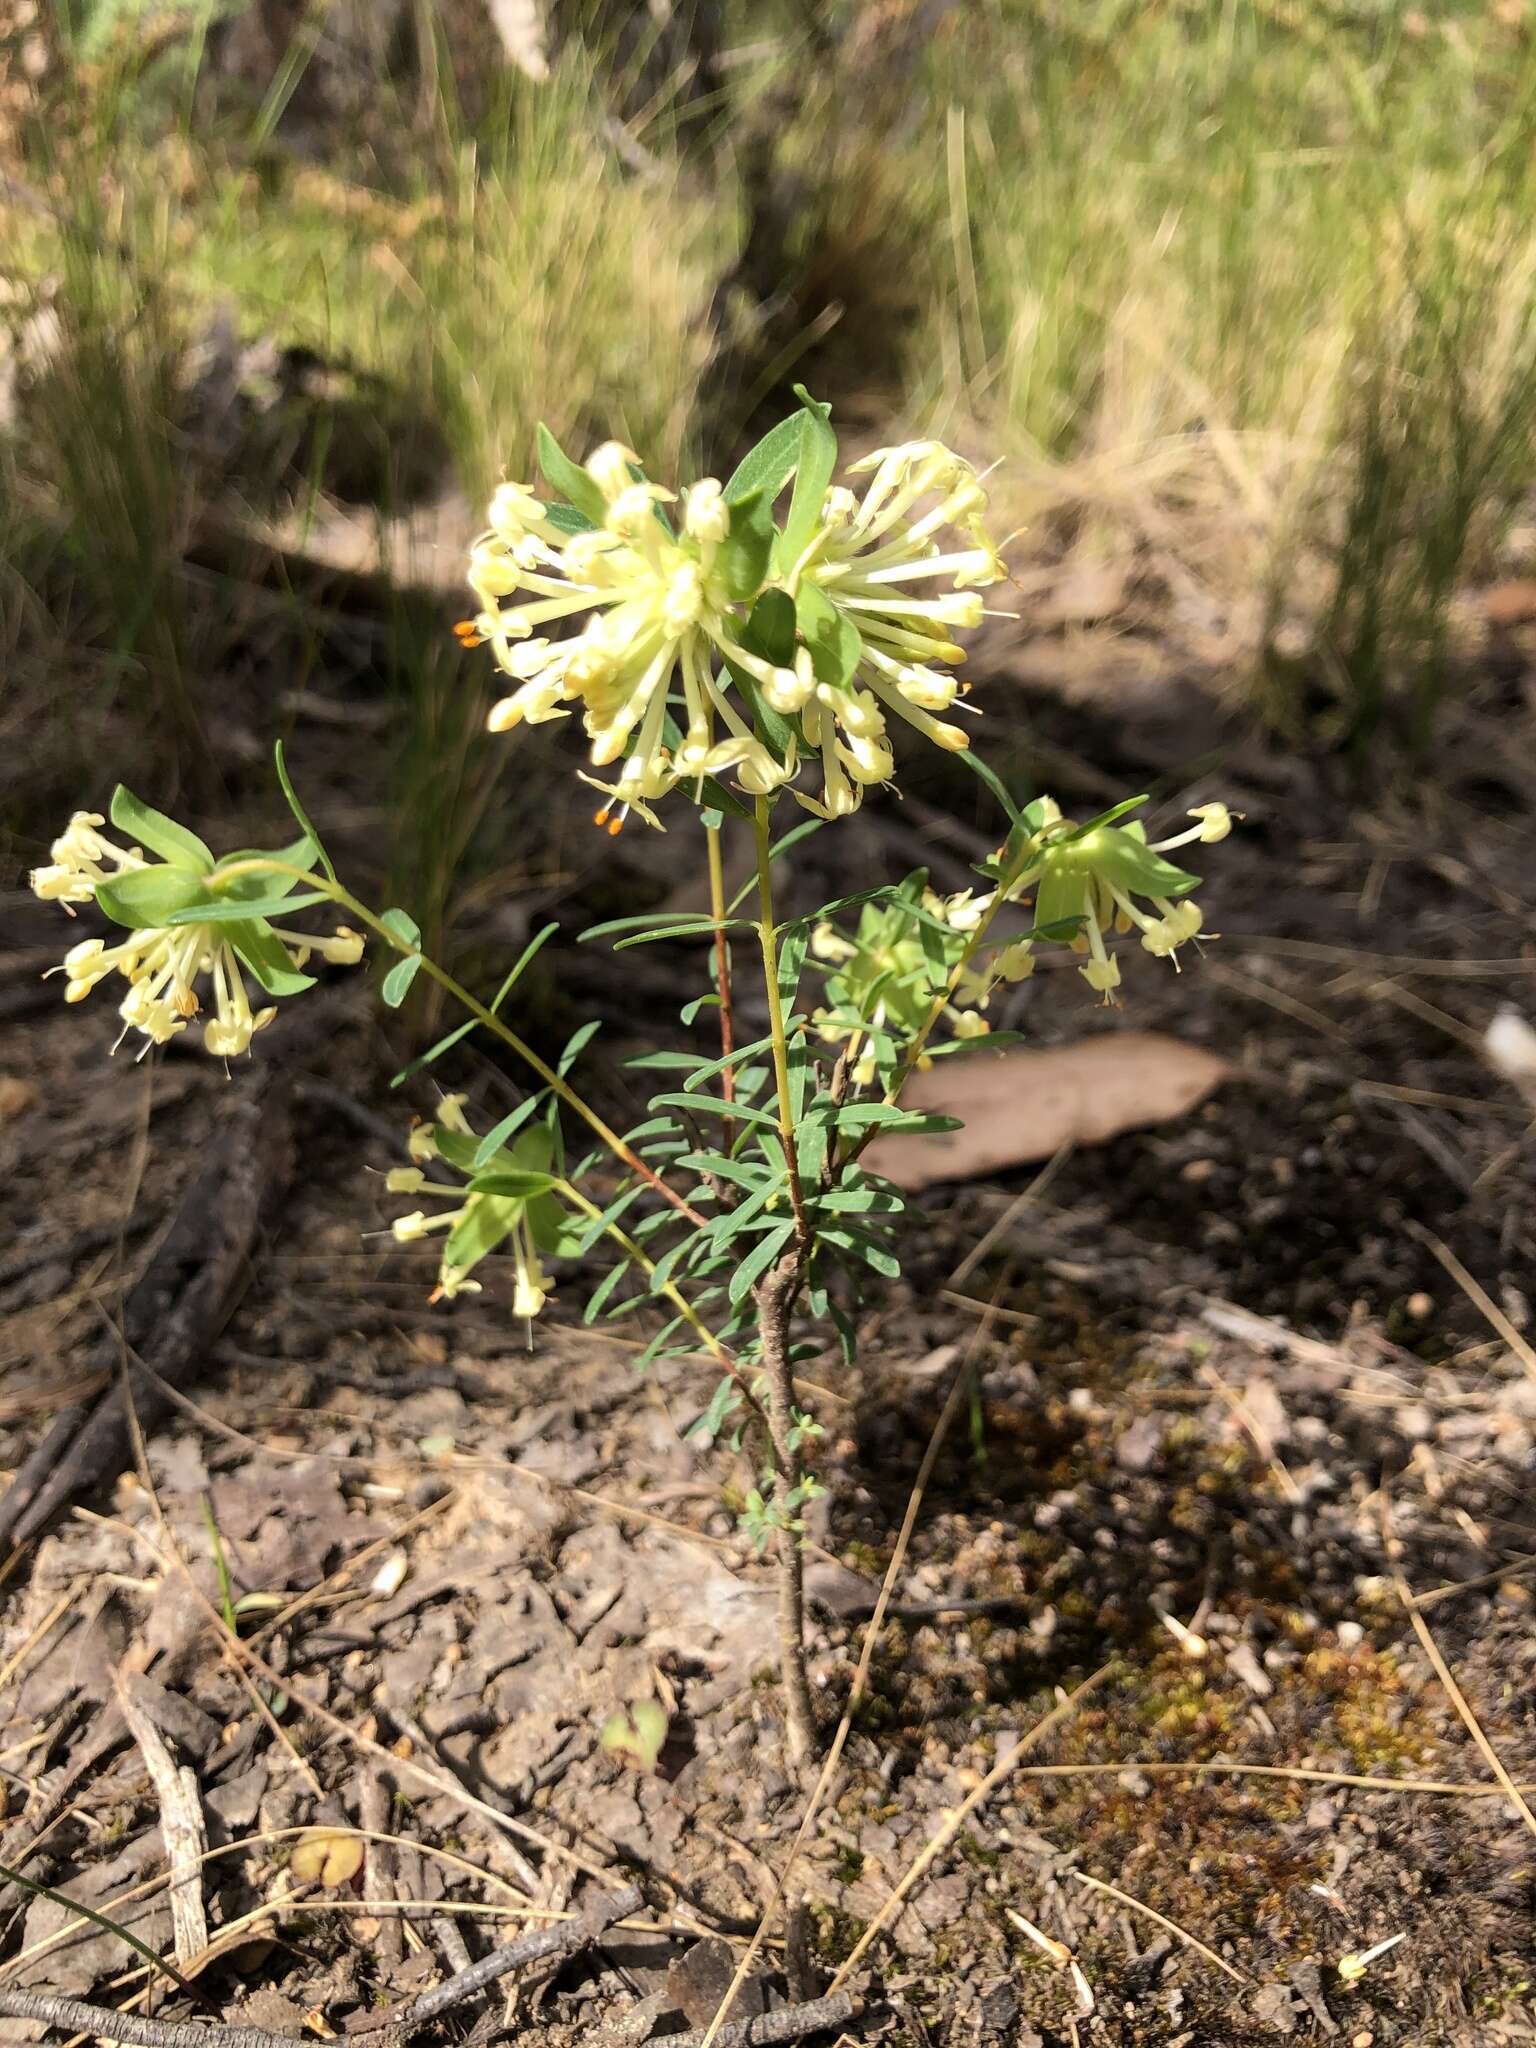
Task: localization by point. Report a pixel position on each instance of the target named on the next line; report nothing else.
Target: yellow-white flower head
(659, 623)
(164, 966)
(878, 561)
(478, 1221)
(79, 860)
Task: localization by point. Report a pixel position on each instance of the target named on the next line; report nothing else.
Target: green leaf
(730, 1059)
(644, 921)
(598, 1226)
(162, 835)
(301, 816)
(303, 853)
(234, 910)
(482, 1227)
(577, 1044)
(771, 628)
(605, 1287)
(1130, 862)
(555, 1229)
(884, 1116)
(741, 560)
(1110, 817)
(511, 1181)
(493, 1140)
(259, 947)
(792, 953)
(150, 896)
(689, 1013)
(860, 1201)
(654, 1349)
(757, 1262)
(688, 928)
(744, 1215)
(397, 983)
(978, 767)
(767, 467)
(868, 1250)
(570, 479)
(723, 1405)
(818, 459)
(712, 1105)
(660, 1277)
(737, 1172)
(459, 1031)
(829, 633)
(566, 519)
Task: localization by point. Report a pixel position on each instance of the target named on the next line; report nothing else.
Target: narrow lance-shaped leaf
(767, 467)
(301, 816)
(397, 983)
(741, 560)
(570, 479)
(162, 835)
(813, 473)
(150, 896)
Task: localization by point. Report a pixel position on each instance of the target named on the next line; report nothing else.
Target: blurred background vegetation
(1240, 296)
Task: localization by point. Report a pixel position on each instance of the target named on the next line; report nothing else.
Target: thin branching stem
(344, 900)
(569, 1192)
(717, 910)
(774, 1298)
(767, 937)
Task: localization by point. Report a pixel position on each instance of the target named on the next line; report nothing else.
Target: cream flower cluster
(660, 620)
(1092, 880)
(163, 965)
(663, 629)
(477, 1222)
(879, 566)
(80, 860)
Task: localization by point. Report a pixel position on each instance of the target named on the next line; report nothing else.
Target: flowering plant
(723, 648)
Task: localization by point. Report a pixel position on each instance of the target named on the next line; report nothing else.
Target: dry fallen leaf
(17, 1096)
(1510, 1046)
(636, 1734)
(327, 1856)
(1023, 1105)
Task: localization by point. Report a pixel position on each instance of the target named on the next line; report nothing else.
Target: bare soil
(1226, 1400)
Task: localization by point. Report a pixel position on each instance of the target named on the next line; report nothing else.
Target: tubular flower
(164, 964)
(877, 565)
(660, 617)
(507, 1199)
(163, 967)
(80, 859)
(883, 983)
(1097, 880)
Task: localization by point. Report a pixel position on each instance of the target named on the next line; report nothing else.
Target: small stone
(1421, 1306)
(1243, 1664)
(1273, 2006)
(1137, 1783)
(1138, 1447)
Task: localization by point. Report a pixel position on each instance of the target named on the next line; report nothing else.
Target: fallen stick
(788, 2023)
(565, 1938)
(176, 1309)
(74, 2016)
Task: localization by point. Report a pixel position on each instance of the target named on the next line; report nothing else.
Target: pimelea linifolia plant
(742, 648)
